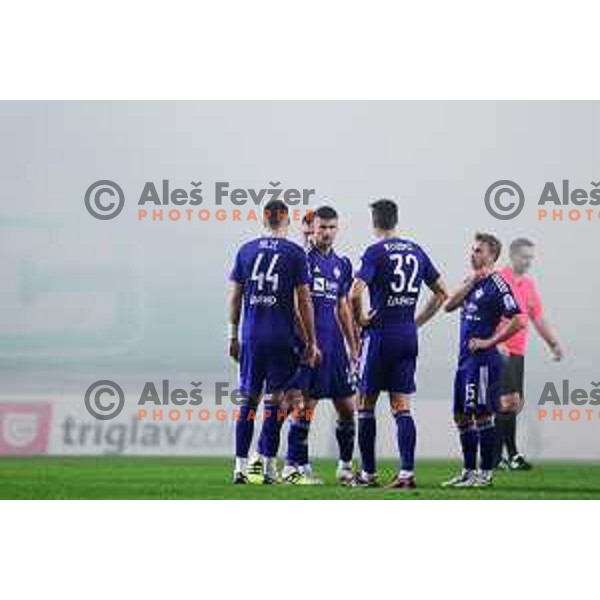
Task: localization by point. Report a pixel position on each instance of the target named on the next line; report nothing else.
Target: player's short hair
(308, 218)
(519, 243)
(326, 213)
(384, 213)
(494, 244)
(275, 213)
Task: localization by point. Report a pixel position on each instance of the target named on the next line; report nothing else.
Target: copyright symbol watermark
(104, 199)
(104, 409)
(504, 199)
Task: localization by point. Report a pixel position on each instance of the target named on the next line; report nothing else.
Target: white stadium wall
(51, 424)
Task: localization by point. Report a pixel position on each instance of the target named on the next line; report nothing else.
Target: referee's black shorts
(513, 375)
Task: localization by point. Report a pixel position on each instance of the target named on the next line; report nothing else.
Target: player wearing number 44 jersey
(393, 269)
(270, 278)
(485, 299)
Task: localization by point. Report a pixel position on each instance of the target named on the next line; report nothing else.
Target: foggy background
(132, 301)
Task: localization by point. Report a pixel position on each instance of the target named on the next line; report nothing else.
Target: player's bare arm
(356, 293)
(347, 324)
(307, 319)
(299, 324)
(547, 334)
(502, 335)
(235, 311)
(434, 302)
(458, 297)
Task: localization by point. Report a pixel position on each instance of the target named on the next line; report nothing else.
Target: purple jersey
(394, 270)
(483, 308)
(331, 278)
(269, 269)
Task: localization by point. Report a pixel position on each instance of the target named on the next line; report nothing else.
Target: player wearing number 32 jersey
(393, 269)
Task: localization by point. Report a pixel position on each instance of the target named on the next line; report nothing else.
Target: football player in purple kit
(330, 280)
(270, 281)
(485, 298)
(256, 461)
(308, 229)
(393, 269)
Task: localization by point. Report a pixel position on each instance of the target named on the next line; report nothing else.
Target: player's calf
(274, 416)
(345, 433)
(367, 430)
(244, 431)
(486, 430)
(468, 442)
(406, 434)
(297, 453)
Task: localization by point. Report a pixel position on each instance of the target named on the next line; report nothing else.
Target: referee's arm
(543, 327)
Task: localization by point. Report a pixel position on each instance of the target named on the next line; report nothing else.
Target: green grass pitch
(209, 478)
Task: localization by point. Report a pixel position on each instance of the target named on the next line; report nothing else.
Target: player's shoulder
(499, 283)
(373, 246)
(410, 246)
(295, 254)
(292, 245)
(344, 263)
(248, 246)
(342, 258)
